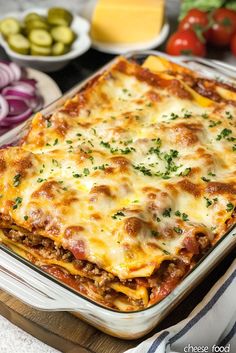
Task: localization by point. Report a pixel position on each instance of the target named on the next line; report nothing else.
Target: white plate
(47, 87)
(124, 48)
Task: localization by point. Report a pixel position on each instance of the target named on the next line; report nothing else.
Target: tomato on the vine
(185, 42)
(223, 28)
(226, 16)
(196, 20)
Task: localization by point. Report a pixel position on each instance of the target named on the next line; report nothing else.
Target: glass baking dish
(38, 289)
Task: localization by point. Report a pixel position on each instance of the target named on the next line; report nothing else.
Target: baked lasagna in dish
(121, 191)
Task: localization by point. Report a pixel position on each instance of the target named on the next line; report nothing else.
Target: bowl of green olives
(44, 39)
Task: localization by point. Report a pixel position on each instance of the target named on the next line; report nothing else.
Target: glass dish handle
(31, 287)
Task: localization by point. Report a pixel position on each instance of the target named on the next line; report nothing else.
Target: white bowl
(51, 63)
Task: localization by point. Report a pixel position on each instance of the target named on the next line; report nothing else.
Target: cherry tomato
(233, 44)
(196, 20)
(223, 28)
(185, 43)
(226, 17)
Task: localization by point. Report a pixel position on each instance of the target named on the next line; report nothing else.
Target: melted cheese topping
(126, 172)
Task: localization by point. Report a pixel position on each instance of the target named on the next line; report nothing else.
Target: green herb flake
(69, 142)
(154, 233)
(55, 142)
(17, 203)
(223, 134)
(186, 172)
(214, 123)
(26, 218)
(185, 217)
(205, 179)
(40, 180)
(178, 230)
(166, 212)
(118, 214)
(178, 213)
(229, 207)
(49, 123)
(166, 252)
(17, 180)
(229, 115)
(208, 202)
(86, 171)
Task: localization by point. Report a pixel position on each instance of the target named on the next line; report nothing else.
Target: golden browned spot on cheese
(73, 230)
(48, 190)
(2, 164)
(221, 188)
(101, 189)
(187, 186)
(133, 225)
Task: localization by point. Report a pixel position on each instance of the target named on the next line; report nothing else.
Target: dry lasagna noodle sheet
(123, 189)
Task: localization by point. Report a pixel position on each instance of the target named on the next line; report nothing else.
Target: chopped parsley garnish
(158, 219)
(205, 179)
(155, 233)
(55, 142)
(49, 123)
(166, 212)
(166, 252)
(118, 214)
(69, 142)
(214, 123)
(17, 180)
(229, 207)
(25, 218)
(187, 115)
(143, 169)
(173, 116)
(55, 162)
(77, 175)
(224, 133)
(101, 167)
(208, 202)
(185, 217)
(40, 180)
(86, 171)
(205, 116)
(178, 230)
(211, 174)
(17, 203)
(127, 150)
(229, 115)
(186, 172)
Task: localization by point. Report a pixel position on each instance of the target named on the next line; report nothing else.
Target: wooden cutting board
(68, 334)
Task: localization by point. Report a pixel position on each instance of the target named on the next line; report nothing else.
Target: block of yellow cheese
(127, 21)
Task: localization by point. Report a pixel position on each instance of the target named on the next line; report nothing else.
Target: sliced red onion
(18, 118)
(17, 105)
(18, 96)
(36, 103)
(4, 108)
(30, 81)
(19, 91)
(4, 78)
(16, 70)
(8, 70)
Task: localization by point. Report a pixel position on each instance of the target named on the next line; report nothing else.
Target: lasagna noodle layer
(136, 170)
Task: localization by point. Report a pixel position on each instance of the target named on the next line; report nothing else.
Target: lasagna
(120, 191)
